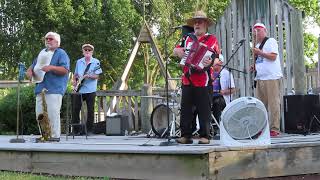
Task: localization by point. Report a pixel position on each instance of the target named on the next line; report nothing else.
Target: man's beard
(199, 32)
(50, 46)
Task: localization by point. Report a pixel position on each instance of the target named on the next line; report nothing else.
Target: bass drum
(159, 120)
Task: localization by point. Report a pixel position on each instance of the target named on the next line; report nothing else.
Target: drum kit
(159, 118)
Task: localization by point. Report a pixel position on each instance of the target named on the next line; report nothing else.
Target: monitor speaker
(300, 113)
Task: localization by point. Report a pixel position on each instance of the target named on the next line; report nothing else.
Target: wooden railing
(135, 104)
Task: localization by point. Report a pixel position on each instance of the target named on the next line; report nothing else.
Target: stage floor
(138, 157)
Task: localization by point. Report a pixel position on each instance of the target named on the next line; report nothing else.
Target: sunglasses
(199, 21)
(49, 39)
(87, 50)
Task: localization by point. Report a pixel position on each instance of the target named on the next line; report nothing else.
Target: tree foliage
(311, 8)
(110, 25)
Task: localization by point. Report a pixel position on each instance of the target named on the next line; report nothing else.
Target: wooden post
(298, 58)
(146, 108)
(136, 115)
(289, 51)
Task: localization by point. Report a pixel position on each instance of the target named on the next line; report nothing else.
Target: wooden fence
(284, 23)
(135, 104)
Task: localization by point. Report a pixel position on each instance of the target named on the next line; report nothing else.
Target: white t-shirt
(268, 69)
(225, 79)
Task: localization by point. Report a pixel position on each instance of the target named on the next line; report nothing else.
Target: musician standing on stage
(223, 87)
(269, 75)
(54, 78)
(85, 82)
(195, 83)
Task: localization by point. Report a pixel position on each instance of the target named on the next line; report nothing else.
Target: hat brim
(191, 21)
(88, 46)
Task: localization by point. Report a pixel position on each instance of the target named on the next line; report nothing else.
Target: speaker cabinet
(117, 125)
(299, 112)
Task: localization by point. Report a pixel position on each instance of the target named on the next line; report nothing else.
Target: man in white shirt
(223, 87)
(269, 75)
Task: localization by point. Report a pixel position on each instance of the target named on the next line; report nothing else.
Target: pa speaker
(300, 112)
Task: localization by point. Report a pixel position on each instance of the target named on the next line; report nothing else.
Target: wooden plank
(247, 62)
(288, 50)
(240, 53)
(13, 84)
(229, 37)
(122, 166)
(105, 106)
(16, 161)
(272, 16)
(264, 163)
(279, 13)
(131, 124)
(146, 108)
(298, 52)
(99, 109)
(136, 115)
(125, 73)
(118, 93)
(223, 36)
(280, 32)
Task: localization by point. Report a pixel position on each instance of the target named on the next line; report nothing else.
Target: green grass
(5, 175)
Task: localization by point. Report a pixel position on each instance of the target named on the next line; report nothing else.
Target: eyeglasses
(87, 50)
(49, 39)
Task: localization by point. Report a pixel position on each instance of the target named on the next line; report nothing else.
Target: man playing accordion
(197, 51)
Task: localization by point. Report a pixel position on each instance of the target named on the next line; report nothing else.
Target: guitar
(81, 79)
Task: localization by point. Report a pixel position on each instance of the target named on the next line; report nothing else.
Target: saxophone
(43, 119)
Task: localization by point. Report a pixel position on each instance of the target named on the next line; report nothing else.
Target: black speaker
(300, 113)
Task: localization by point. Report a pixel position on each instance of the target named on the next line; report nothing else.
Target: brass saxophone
(43, 119)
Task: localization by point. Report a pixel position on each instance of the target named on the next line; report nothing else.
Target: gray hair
(55, 35)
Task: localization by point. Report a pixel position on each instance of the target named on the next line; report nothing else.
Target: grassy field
(5, 175)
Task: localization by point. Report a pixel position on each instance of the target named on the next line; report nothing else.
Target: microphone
(177, 27)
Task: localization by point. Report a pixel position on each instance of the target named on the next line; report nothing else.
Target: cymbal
(155, 97)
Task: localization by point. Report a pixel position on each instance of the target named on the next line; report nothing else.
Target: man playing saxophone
(50, 71)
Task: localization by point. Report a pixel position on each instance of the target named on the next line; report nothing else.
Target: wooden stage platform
(138, 157)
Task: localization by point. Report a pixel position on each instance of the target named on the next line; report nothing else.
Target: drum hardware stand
(313, 118)
(20, 78)
(169, 141)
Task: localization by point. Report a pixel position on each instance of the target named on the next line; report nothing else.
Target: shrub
(8, 111)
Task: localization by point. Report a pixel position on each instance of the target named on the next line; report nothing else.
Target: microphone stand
(20, 78)
(226, 64)
(230, 69)
(169, 138)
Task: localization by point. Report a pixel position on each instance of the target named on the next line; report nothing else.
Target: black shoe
(184, 140)
(204, 141)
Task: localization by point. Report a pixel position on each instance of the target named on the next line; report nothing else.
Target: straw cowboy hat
(199, 15)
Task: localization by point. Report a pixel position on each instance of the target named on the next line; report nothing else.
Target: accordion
(195, 54)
